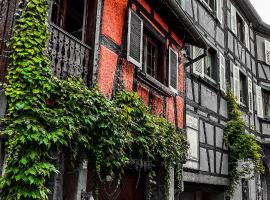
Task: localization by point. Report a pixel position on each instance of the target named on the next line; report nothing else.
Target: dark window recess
(240, 28)
(243, 89)
(210, 3)
(69, 15)
(266, 103)
(245, 189)
(210, 65)
(153, 57)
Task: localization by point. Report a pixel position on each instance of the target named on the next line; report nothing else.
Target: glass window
(210, 67)
(266, 103)
(69, 15)
(153, 59)
(240, 28)
(243, 89)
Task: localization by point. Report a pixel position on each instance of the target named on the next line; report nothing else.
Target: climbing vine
(242, 147)
(46, 115)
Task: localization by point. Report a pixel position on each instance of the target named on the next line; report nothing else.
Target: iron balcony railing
(69, 56)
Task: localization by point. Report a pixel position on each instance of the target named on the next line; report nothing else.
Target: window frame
(240, 31)
(214, 72)
(243, 87)
(264, 93)
(208, 4)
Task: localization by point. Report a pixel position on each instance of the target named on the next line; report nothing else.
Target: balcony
(69, 56)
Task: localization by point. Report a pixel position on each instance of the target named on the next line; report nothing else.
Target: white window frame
(250, 95)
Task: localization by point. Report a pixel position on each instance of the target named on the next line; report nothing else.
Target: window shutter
(250, 95)
(233, 20)
(219, 5)
(173, 69)
(267, 52)
(222, 72)
(247, 36)
(135, 39)
(198, 67)
(259, 101)
(236, 83)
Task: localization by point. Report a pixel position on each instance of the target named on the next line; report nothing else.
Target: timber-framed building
(180, 56)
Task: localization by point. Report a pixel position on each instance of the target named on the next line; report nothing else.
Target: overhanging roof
(253, 16)
(172, 12)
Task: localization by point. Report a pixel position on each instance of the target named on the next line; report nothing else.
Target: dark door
(132, 187)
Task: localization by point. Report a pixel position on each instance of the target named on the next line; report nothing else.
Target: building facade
(237, 57)
(180, 56)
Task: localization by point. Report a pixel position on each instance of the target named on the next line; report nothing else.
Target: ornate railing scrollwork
(69, 56)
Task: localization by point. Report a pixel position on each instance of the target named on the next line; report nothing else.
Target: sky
(262, 7)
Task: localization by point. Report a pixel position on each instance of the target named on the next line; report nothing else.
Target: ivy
(242, 147)
(46, 115)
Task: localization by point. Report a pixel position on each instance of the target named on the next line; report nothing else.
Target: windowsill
(155, 84)
(243, 105)
(210, 79)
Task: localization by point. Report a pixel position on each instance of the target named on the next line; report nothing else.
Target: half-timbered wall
(233, 36)
(122, 62)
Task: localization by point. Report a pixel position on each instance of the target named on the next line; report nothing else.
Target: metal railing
(69, 56)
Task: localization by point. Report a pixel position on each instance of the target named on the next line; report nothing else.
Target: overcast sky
(262, 7)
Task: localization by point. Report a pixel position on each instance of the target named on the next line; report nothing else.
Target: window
(206, 66)
(240, 28)
(153, 57)
(210, 62)
(266, 103)
(69, 15)
(210, 3)
(146, 48)
(243, 89)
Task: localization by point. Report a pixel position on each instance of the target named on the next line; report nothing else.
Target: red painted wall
(113, 63)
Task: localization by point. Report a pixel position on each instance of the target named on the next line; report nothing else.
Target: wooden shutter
(250, 95)
(198, 67)
(259, 101)
(219, 5)
(233, 20)
(247, 36)
(173, 69)
(267, 52)
(135, 39)
(222, 72)
(236, 83)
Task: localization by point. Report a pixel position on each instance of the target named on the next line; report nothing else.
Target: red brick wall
(115, 70)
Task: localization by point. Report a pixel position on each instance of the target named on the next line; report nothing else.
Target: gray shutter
(247, 36)
(267, 52)
(219, 4)
(135, 39)
(236, 83)
(173, 69)
(259, 101)
(198, 67)
(222, 72)
(233, 20)
(250, 95)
